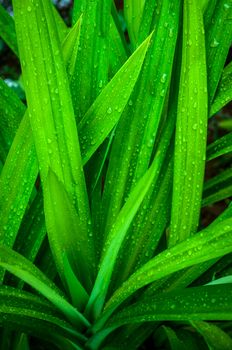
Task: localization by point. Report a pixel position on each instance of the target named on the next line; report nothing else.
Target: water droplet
(195, 126)
(215, 43)
(163, 78)
(171, 33)
(109, 110)
(29, 8)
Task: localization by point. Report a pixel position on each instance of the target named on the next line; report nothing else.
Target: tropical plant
(103, 244)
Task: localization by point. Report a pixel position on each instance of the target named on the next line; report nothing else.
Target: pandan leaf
(191, 129)
(225, 124)
(174, 341)
(152, 216)
(29, 273)
(133, 11)
(7, 30)
(221, 146)
(135, 137)
(217, 188)
(116, 236)
(23, 143)
(91, 69)
(218, 42)
(208, 13)
(147, 20)
(70, 47)
(32, 230)
(224, 91)
(21, 156)
(106, 110)
(118, 47)
(222, 280)
(213, 335)
(54, 130)
(67, 240)
(16, 171)
(208, 244)
(11, 111)
(207, 303)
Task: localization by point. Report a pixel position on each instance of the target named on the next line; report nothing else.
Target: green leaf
(32, 230)
(78, 9)
(208, 14)
(91, 69)
(218, 42)
(213, 335)
(221, 146)
(217, 188)
(191, 129)
(116, 236)
(77, 292)
(208, 244)
(70, 47)
(225, 124)
(7, 30)
(29, 273)
(54, 130)
(118, 46)
(224, 91)
(106, 110)
(147, 19)
(16, 171)
(21, 162)
(61, 26)
(135, 137)
(151, 219)
(11, 111)
(174, 341)
(23, 156)
(207, 303)
(133, 11)
(66, 238)
(223, 280)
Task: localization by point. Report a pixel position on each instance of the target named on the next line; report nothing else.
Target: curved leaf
(206, 303)
(217, 188)
(213, 242)
(221, 146)
(213, 335)
(116, 236)
(29, 273)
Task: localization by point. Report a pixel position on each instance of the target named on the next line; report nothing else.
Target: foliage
(102, 179)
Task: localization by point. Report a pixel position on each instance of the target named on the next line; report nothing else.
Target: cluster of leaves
(102, 177)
